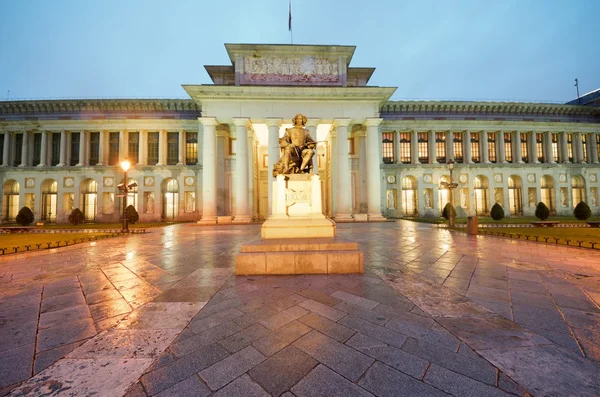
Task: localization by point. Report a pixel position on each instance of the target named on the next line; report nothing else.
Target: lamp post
(125, 164)
(451, 186)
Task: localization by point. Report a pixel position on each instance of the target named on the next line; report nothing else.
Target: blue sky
(510, 50)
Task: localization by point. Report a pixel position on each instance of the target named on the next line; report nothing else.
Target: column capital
(312, 122)
(208, 121)
(372, 122)
(345, 122)
(241, 121)
(273, 122)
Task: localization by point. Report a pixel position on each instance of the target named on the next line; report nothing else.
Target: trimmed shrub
(448, 209)
(76, 217)
(497, 212)
(541, 211)
(25, 216)
(132, 214)
(582, 211)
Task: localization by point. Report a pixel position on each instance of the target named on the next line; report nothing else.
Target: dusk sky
(510, 50)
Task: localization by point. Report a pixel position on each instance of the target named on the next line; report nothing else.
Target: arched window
(409, 196)
(515, 195)
(444, 192)
(10, 203)
(547, 191)
(49, 200)
(578, 189)
(132, 193)
(170, 199)
(480, 188)
(89, 199)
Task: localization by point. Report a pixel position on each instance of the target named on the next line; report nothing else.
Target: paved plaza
(436, 313)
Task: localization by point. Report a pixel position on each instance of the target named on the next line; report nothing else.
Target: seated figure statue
(298, 149)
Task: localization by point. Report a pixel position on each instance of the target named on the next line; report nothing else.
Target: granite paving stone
(58, 317)
(327, 327)
(19, 316)
(374, 331)
(62, 301)
(205, 323)
(15, 365)
(370, 315)
(385, 381)
(284, 317)
(191, 386)
(48, 357)
(244, 338)
(65, 333)
(459, 385)
(478, 369)
(224, 371)
(281, 338)
(319, 296)
(344, 360)
(243, 386)
(322, 309)
(205, 338)
(280, 372)
(322, 381)
(405, 362)
(355, 299)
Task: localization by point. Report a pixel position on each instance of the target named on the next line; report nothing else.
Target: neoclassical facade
(208, 158)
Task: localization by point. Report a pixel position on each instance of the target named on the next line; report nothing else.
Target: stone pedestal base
(298, 228)
(301, 256)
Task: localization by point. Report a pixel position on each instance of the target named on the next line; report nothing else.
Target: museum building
(209, 158)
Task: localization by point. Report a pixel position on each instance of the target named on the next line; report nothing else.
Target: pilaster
(373, 170)
(273, 154)
(242, 192)
(344, 191)
(43, 150)
(209, 170)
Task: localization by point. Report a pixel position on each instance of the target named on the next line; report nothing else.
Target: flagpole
(290, 23)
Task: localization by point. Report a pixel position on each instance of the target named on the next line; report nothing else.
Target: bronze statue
(298, 149)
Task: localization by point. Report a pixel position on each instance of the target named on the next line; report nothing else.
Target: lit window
(351, 146)
(405, 149)
(75, 137)
(475, 147)
(440, 147)
(524, 148)
(172, 147)
(570, 146)
(584, 147)
(458, 148)
(94, 148)
(152, 148)
(555, 147)
(113, 148)
(423, 140)
(134, 147)
(232, 146)
(508, 147)
(191, 148)
(387, 147)
(578, 189)
(539, 142)
(409, 196)
(491, 138)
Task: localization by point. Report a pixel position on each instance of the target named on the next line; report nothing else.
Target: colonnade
(591, 152)
(83, 156)
(341, 176)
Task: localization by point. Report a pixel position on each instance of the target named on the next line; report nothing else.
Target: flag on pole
(290, 18)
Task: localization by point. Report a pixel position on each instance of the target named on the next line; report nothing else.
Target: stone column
(373, 170)
(344, 190)
(143, 148)
(242, 206)
(564, 148)
(594, 145)
(549, 153)
(518, 153)
(273, 154)
(209, 170)
(500, 149)
(123, 145)
(483, 147)
(467, 157)
(6, 149)
(24, 148)
(101, 147)
(82, 148)
(311, 126)
(533, 148)
(580, 148)
(449, 146)
(68, 147)
(62, 160)
(181, 159)
(43, 150)
(414, 147)
(162, 147)
(363, 193)
(431, 146)
(396, 147)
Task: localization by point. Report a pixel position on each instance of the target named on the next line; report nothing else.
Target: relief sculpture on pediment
(299, 69)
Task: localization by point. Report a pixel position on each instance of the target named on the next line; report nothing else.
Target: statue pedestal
(297, 238)
(297, 209)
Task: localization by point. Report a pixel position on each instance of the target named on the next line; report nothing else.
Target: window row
(488, 147)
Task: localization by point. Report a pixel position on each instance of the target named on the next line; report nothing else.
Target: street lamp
(451, 186)
(125, 164)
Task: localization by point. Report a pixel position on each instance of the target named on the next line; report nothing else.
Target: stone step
(300, 262)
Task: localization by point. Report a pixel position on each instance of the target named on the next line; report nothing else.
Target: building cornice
(95, 108)
(498, 110)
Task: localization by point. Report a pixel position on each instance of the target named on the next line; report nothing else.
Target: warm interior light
(125, 164)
